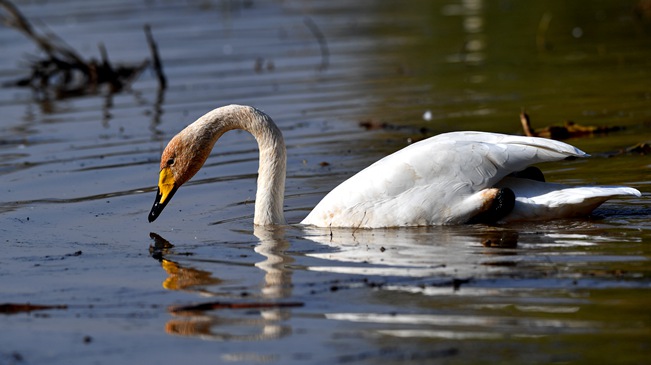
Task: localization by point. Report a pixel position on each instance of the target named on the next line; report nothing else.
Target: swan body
(451, 178)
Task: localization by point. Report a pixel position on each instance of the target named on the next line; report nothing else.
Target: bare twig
(158, 67)
(18, 21)
(63, 72)
(526, 124)
(569, 129)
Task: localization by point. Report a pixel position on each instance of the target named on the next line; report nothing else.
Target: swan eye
(170, 162)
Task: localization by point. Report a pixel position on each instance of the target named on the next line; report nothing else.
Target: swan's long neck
(271, 172)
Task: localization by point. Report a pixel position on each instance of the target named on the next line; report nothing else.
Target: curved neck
(270, 193)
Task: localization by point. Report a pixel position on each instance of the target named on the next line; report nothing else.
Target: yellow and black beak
(166, 189)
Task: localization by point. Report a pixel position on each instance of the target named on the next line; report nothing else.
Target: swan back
(434, 181)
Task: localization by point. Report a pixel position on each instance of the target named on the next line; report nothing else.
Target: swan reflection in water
(464, 283)
(234, 325)
(342, 251)
(452, 264)
(439, 252)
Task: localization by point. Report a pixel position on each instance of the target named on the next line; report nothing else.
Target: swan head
(180, 161)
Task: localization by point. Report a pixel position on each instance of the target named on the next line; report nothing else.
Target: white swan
(452, 178)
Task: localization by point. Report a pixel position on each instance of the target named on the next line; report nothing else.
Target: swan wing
(440, 180)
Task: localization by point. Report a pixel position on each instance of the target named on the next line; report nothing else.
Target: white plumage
(451, 178)
(443, 180)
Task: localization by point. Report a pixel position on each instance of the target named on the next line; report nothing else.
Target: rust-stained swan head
(180, 161)
(186, 153)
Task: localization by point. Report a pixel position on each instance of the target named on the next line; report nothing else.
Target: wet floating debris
(456, 283)
(642, 148)
(417, 133)
(374, 124)
(63, 73)
(233, 305)
(566, 131)
(74, 254)
(497, 243)
(163, 247)
(501, 240)
(22, 220)
(160, 243)
(337, 285)
(14, 308)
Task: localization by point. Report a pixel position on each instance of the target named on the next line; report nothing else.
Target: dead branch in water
(17, 21)
(158, 66)
(642, 148)
(64, 73)
(568, 130)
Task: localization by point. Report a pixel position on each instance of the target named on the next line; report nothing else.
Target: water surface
(78, 179)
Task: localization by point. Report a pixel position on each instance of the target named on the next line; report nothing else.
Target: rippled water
(78, 179)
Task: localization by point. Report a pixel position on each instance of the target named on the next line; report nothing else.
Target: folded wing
(436, 181)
